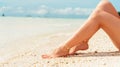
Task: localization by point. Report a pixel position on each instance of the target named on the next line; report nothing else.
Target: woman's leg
(81, 36)
(104, 5)
(111, 25)
(109, 22)
(108, 7)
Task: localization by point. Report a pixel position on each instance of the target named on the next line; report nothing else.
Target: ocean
(22, 33)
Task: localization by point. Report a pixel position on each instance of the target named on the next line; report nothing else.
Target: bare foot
(64, 51)
(82, 46)
(59, 52)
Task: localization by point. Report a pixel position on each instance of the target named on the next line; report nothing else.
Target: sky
(50, 8)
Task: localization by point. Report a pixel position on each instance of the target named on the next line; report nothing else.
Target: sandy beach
(101, 53)
(24, 40)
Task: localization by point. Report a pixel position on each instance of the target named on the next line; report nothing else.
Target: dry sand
(101, 53)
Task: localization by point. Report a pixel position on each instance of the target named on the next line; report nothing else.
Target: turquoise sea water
(16, 33)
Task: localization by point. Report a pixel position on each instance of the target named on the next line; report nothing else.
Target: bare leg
(109, 22)
(104, 6)
(80, 46)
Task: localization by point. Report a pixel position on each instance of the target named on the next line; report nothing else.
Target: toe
(46, 56)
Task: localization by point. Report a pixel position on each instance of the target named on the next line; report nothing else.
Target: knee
(97, 13)
(104, 4)
(98, 16)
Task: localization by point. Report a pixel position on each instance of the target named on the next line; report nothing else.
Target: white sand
(101, 53)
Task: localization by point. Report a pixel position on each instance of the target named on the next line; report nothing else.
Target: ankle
(84, 45)
(64, 48)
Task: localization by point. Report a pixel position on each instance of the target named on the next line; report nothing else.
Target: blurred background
(50, 8)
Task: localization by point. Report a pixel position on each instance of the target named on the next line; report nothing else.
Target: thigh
(111, 25)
